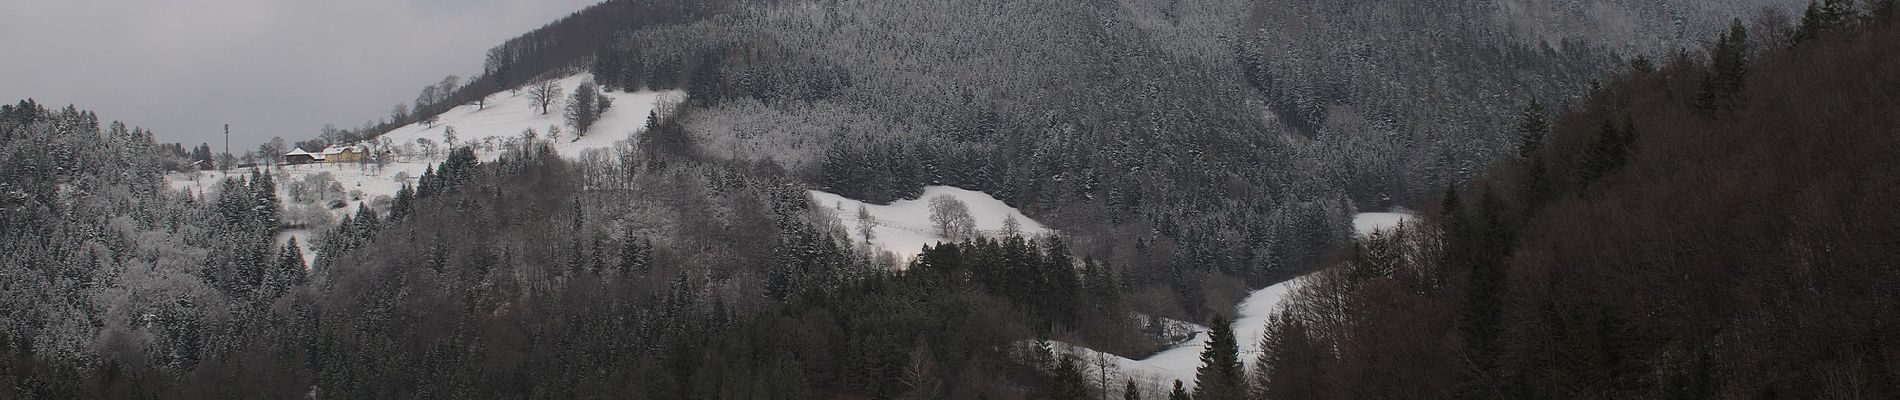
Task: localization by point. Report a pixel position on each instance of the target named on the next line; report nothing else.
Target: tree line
(1652, 245)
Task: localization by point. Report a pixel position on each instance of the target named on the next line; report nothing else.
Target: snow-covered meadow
(904, 227)
(1180, 361)
(509, 113)
(311, 202)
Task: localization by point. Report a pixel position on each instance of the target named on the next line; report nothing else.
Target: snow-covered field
(904, 227)
(1179, 362)
(1366, 223)
(509, 113)
(506, 115)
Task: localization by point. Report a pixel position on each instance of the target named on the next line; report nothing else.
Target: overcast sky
(267, 67)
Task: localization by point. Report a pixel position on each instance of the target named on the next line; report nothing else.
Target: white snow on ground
(508, 113)
(1365, 223)
(367, 178)
(1179, 362)
(904, 227)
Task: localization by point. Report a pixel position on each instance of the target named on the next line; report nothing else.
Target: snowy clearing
(417, 147)
(508, 113)
(1366, 223)
(904, 228)
(1179, 362)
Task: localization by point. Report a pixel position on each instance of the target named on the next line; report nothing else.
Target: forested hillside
(1703, 228)
(1182, 152)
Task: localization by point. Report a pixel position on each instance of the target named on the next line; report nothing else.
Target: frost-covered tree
(445, 90)
(583, 108)
(951, 217)
(867, 223)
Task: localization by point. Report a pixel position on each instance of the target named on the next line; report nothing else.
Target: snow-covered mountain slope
(904, 228)
(506, 114)
(504, 117)
(1179, 362)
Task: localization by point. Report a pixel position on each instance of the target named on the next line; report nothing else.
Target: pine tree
(1823, 16)
(1534, 126)
(1179, 393)
(1129, 392)
(404, 203)
(1728, 71)
(1068, 382)
(635, 251)
(707, 86)
(1219, 377)
(1608, 152)
(265, 204)
(289, 271)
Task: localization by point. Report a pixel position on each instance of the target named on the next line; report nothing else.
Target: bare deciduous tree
(544, 93)
(952, 218)
(866, 222)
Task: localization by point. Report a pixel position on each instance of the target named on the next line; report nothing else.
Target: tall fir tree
(1179, 392)
(1068, 382)
(1219, 377)
(1728, 70)
(290, 269)
(1533, 126)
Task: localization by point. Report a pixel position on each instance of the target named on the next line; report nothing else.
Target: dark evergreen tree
(1479, 243)
(1823, 16)
(635, 252)
(403, 204)
(1219, 377)
(1608, 152)
(1179, 392)
(1533, 126)
(1728, 71)
(708, 84)
(1129, 392)
(1067, 382)
(289, 272)
(265, 206)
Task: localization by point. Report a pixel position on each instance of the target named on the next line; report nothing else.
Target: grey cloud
(267, 67)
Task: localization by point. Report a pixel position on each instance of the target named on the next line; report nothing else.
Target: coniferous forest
(1680, 200)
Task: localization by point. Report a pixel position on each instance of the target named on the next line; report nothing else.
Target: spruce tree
(1823, 16)
(265, 204)
(1728, 66)
(404, 204)
(1219, 375)
(634, 252)
(1068, 382)
(1534, 126)
(1179, 393)
(289, 271)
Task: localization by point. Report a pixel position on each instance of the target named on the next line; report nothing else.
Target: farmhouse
(298, 156)
(337, 154)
